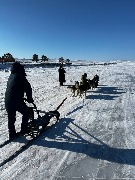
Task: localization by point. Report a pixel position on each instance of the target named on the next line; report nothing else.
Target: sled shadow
(76, 109)
(106, 93)
(59, 138)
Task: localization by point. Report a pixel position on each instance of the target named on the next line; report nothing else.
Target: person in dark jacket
(61, 75)
(96, 80)
(17, 85)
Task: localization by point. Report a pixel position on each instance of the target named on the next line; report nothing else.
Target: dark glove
(30, 100)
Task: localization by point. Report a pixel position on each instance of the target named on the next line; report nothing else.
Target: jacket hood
(17, 68)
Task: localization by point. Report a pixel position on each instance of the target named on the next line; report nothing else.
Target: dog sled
(36, 125)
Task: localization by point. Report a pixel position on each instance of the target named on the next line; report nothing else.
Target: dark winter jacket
(17, 85)
(61, 75)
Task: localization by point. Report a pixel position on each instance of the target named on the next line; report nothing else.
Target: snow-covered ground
(95, 137)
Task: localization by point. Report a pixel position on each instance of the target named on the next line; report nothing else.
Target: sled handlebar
(34, 105)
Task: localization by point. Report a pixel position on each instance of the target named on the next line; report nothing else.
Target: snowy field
(95, 137)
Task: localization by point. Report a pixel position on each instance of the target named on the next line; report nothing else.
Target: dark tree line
(43, 58)
(7, 58)
(62, 60)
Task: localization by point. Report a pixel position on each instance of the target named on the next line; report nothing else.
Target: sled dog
(78, 89)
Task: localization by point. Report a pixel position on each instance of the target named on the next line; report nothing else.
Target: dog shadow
(66, 138)
(106, 93)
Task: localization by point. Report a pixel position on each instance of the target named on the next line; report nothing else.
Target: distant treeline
(105, 63)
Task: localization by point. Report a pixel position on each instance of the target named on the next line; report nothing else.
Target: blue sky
(74, 29)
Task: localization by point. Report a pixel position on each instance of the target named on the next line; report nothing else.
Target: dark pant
(61, 83)
(24, 110)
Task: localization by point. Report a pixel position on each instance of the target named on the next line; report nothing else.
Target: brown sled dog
(78, 89)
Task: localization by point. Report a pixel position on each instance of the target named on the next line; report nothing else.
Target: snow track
(95, 138)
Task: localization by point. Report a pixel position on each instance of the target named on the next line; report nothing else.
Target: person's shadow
(66, 138)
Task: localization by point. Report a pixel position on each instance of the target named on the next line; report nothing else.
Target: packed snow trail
(94, 140)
